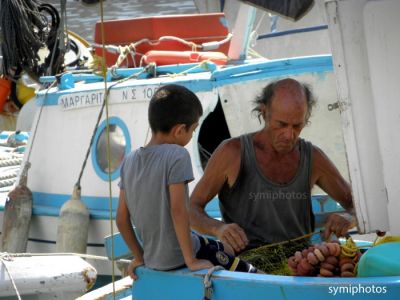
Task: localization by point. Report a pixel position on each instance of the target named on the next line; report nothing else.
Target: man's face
(285, 119)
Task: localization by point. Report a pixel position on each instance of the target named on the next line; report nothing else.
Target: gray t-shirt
(145, 177)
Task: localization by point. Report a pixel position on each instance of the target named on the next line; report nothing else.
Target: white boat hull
(45, 277)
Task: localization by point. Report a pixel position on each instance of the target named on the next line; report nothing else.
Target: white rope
(208, 289)
(203, 64)
(7, 182)
(10, 162)
(8, 176)
(3, 258)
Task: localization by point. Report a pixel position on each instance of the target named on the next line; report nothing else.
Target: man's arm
(125, 227)
(328, 178)
(223, 166)
(180, 219)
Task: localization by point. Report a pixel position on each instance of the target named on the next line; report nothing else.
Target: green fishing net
(272, 258)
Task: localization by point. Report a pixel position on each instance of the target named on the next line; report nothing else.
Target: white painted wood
(381, 25)
(65, 277)
(360, 119)
(241, 31)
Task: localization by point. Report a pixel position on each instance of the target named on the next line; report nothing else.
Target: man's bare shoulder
(226, 156)
(319, 156)
(322, 165)
(229, 148)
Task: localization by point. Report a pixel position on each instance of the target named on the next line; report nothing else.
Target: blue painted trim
(121, 249)
(45, 204)
(121, 124)
(292, 31)
(67, 81)
(275, 68)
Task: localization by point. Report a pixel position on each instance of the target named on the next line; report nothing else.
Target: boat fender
(17, 216)
(73, 225)
(161, 57)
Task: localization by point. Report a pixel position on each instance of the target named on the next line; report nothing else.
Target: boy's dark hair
(171, 105)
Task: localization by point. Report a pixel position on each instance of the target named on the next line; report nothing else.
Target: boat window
(119, 147)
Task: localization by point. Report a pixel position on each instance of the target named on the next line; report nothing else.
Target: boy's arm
(125, 227)
(180, 218)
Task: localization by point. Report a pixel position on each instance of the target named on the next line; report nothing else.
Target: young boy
(154, 192)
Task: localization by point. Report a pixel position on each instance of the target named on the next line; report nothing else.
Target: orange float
(161, 57)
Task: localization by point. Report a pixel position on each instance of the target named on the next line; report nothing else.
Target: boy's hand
(132, 267)
(199, 264)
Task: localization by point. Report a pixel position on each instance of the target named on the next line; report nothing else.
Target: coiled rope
(7, 182)
(10, 162)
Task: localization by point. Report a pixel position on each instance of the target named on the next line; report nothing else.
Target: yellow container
(24, 93)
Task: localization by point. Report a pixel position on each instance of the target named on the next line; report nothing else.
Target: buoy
(73, 224)
(17, 216)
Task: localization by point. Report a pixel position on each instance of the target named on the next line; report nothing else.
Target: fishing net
(273, 258)
(27, 26)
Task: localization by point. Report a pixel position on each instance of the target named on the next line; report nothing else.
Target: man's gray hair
(268, 93)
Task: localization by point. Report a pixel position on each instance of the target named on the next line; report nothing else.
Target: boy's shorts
(209, 249)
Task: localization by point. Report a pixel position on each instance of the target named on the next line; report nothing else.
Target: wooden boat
(68, 114)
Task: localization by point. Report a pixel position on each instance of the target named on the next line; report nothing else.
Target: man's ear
(264, 111)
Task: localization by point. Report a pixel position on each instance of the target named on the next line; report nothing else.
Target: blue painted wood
(182, 284)
(121, 249)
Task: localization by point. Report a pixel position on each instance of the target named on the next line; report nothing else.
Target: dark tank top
(267, 211)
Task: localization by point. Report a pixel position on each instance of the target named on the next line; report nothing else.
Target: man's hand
(233, 235)
(132, 267)
(198, 264)
(339, 224)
